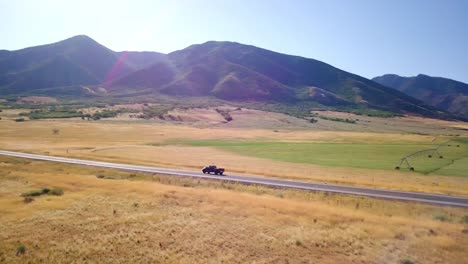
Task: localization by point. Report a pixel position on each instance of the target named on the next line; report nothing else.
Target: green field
(372, 156)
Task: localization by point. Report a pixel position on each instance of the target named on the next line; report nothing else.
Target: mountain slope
(234, 71)
(140, 59)
(446, 94)
(75, 61)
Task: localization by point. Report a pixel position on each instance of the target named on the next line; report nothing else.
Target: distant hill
(233, 71)
(446, 94)
(75, 61)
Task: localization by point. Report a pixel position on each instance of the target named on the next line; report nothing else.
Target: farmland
(373, 156)
(247, 145)
(153, 218)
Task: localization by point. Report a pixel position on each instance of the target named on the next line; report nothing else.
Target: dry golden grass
(404, 124)
(115, 221)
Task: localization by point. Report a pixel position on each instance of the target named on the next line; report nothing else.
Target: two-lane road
(437, 199)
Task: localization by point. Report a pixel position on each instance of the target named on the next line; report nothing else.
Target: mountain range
(443, 93)
(225, 70)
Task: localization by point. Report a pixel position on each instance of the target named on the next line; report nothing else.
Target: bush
(20, 120)
(56, 192)
(156, 111)
(441, 217)
(104, 114)
(20, 250)
(465, 219)
(32, 193)
(406, 261)
(337, 119)
(53, 113)
(28, 199)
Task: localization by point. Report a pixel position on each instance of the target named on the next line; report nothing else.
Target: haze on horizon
(369, 38)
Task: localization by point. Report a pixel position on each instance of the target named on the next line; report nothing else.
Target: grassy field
(110, 216)
(372, 156)
(158, 144)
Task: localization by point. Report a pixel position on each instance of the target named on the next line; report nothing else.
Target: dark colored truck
(214, 169)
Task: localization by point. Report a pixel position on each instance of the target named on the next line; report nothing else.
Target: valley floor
(110, 216)
(343, 157)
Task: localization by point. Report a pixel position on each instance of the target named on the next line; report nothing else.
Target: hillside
(75, 61)
(446, 94)
(140, 59)
(237, 72)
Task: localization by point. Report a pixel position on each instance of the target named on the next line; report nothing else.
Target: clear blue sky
(366, 37)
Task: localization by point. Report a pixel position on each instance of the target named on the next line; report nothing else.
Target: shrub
(56, 192)
(20, 120)
(156, 111)
(406, 261)
(28, 199)
(337, 119)
(20, 250)
(32, 193)
(441, 217)
(465, 219)
(104, 114)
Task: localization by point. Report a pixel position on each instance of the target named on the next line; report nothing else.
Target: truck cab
(212, 168)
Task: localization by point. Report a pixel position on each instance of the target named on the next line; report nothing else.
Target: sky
(365, 37)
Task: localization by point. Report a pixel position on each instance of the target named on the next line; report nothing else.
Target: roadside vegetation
(43, 191)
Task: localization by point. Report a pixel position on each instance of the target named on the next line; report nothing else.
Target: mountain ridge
(225, 70)
(234, 71)
(447, 94)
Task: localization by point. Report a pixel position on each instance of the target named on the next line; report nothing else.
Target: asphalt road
(436, 199)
